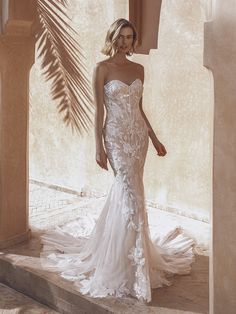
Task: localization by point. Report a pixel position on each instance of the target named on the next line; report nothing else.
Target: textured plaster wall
(177, 100)
(220, 56)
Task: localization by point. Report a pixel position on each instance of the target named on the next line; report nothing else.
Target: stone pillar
(16, 58)
(220, 57)
(145, 15)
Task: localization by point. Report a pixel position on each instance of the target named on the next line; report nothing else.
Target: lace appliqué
(141, 285)
(126, 145)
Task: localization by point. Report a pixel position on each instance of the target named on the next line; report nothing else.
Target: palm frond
(63, 64)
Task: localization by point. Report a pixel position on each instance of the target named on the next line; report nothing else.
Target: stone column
(16, 58)
(220, 57)
(145, 15)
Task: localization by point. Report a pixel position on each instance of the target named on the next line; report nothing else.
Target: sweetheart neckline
(128, 85)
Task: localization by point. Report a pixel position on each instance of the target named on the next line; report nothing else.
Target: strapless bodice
(122, 93)
(122, 103)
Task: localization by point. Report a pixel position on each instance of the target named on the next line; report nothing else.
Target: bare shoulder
(100, 69)
(138, 66)
(139, 69)
(101, 66)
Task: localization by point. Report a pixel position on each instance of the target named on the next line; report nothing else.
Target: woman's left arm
(160, 148)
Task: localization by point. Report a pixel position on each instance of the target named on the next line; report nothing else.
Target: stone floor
(50, 207)
(20, 267)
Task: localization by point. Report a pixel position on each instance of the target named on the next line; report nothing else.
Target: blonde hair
(113, 33)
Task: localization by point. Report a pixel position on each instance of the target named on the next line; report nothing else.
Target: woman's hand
(101, 158)
(160, 148)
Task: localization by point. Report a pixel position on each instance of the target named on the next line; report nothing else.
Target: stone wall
(220, 57)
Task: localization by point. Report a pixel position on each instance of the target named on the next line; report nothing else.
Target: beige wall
(220, 57)
(177, 99)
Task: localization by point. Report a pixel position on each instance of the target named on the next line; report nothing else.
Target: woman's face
(125, 39)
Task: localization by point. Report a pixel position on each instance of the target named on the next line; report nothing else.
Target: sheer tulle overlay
(119, 257)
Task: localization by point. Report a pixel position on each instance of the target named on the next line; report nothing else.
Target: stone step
(21, 270)
(12, 301)
(59, 297)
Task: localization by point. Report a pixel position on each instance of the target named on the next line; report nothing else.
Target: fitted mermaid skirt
(119, 257)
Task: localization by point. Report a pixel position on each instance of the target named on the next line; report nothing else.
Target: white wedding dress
(119, 257)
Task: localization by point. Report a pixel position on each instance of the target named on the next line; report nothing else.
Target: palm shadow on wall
(63, 63)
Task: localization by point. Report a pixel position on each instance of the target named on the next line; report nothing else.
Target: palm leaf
(63, 64)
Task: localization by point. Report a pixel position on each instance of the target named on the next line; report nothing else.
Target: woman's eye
(128, 37)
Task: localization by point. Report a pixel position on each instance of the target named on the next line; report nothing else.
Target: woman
(120, 41)
(119, 258)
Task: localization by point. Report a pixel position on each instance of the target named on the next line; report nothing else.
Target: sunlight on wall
(177, 100)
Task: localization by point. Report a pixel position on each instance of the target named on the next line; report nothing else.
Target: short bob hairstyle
(110, 47)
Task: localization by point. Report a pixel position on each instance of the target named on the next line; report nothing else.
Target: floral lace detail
(142, 284)
(126, 141)
(98, 289)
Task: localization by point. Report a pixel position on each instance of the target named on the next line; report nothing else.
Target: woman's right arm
(98, 85)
